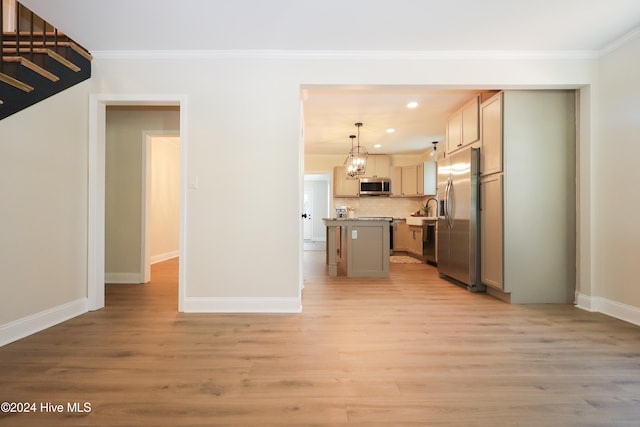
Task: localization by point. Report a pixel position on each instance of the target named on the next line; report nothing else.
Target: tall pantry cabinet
(527, 196)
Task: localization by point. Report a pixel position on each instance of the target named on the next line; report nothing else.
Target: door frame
(96, 187)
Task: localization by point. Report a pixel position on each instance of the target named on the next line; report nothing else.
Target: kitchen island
(358, 247)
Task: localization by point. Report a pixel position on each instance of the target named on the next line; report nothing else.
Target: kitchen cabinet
(400, 234)
(378, 166)
(491, 135)
(454, 132)
(463, 127)
(396, 181)
(358, 248)
(528, 209)
(414, 180)
(410, 180)
(343, 187)
(491, 243)
(471, 121)
(414, 240)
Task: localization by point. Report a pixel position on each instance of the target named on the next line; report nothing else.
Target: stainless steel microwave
(375, 186)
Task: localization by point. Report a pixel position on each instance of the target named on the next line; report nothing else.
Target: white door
(306, 214)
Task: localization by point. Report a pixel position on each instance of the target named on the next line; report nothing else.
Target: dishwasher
(430, 241)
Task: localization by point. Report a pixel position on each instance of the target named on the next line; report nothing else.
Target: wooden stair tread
(35, 33)
(43, 51)
(32, 66)
(74, 46)
(15, 83)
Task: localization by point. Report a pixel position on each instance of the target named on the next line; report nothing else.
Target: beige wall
(124, 185)
(616, 229)
(43, 205)
(243, 122)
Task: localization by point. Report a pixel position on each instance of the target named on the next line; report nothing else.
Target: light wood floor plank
(409, 350)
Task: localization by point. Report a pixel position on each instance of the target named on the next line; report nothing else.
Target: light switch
(354, 234)
(195, 183)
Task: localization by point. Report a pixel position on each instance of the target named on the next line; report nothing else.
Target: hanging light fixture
(434, 152)
(356, 161)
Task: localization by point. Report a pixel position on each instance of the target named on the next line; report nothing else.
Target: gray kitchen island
(358, 247)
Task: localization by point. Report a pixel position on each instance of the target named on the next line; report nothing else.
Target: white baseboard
(609, 307)
(29, 325)
(123, 278)
(585, 302)
(242, 305)
(164, 257)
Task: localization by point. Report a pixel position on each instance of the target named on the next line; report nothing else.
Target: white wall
(244, 129)
(616, 227)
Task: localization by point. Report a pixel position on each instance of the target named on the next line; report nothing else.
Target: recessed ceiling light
(412, 104)
(391, 130)
(377, 146)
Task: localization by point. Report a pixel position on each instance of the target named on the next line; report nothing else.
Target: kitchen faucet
(426, 206)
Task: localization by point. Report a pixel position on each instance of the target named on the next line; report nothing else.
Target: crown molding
(363, 55)
(631, 35)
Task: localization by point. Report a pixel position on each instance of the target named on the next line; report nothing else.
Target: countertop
(361, 219)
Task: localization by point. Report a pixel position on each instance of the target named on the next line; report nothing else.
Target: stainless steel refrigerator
(458, 223)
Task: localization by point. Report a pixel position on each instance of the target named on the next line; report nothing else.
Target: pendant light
(434, 152)
(356, 161)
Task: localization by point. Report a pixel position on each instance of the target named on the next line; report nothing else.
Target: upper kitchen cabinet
(491, 135)
(454, 132)
(414, 180)
(406, 181)
(343, 187)
(378, 166)
(463, 127)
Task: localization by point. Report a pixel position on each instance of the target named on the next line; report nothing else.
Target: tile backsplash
(396, 207)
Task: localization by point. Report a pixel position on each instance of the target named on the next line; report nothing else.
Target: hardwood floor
(409, 350)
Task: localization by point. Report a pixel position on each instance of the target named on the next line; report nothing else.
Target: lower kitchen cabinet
(414, 240)
(400, 233)
(491, 231)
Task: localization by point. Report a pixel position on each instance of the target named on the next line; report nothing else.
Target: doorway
(97, 176)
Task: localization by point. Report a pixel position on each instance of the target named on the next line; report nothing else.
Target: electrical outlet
(354, 234)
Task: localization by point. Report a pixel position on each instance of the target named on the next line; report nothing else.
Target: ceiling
(559, 27)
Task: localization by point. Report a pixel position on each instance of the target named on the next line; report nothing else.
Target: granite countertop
(361, 219)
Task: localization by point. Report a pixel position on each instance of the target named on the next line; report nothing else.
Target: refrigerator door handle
(446, 202)
(450, 205)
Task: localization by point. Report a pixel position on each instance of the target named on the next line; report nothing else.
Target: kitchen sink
(418, 220)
